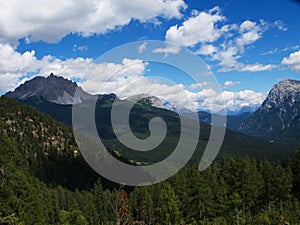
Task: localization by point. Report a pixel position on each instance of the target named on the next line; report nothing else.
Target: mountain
(147, 99)
(45, 145)
(140, 115)
(158, 103)
(52, 89)
(44, 180)
(239, 111)
(279, 115)
(232, 121)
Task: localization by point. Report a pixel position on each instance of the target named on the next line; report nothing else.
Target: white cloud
(15, 62)
(270, 52)
(51, 20)
(249, 33)
(201, 27)
(142, 47)
(112, 78)
(81, 48)
(199, 85)
(293, 61)
(225, 43)
(233, 101)
(14, 65)
(169, 49)
(257, 67)
(230, 53)
(208, 49)
(227, 57)
(94, 75)
(247, 26)
(280, 25)
(230, 83)
(125, 79)
(69, 68)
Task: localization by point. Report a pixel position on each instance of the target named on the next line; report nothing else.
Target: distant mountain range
(232, 121)
(61, 91)
(237, 112)
(278, 116)
(53, 96)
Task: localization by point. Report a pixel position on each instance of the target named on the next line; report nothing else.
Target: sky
(248, 46)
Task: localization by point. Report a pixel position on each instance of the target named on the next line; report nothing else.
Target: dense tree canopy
(43, 181)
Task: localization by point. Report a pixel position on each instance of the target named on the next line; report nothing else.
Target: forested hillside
(44, 180)
(47, 146)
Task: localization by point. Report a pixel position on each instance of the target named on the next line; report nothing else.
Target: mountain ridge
(279, 114)
(53, 88)
(158, 103)
(140, 115)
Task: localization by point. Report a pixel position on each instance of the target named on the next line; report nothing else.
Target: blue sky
(248, 45)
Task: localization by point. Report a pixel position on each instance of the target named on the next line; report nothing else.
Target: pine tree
(168, 209)
(294, 164)
(101, 202)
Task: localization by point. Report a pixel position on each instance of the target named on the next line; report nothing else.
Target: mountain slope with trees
(43, 180)
(234, 143)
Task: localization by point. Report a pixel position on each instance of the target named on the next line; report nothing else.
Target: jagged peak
(53, 88)
(285, 92)
(287, 85)
(288, 81)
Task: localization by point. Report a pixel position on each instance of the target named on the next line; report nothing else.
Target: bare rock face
(280, 111)
(52, 89)
(282, 96)
(158, 103)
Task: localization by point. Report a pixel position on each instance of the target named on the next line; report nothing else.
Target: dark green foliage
(43, 181)
(140, 115)
(294, 163)
(168, 211)
(46, 146)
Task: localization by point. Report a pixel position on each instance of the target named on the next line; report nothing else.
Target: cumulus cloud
(70, 68)
(224, 43)
(94, 75)
(14, 65)
(51, 20)
(231, 52)
(230, 100)
(249, 33)
(125, 79)
(293, 61)
(201, 27)
(112, 78)
(10, 58)
(208, 50)
(199, 85)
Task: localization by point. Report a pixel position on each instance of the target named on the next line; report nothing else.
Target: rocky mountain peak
(283, 94)
(280, 112)
(150, 99)
(159, 103)
(52, 88)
